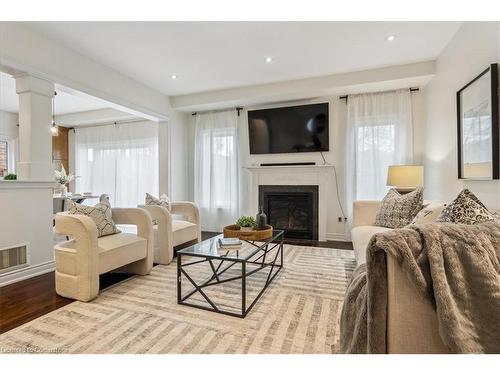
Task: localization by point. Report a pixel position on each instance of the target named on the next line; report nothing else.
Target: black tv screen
(302, 128)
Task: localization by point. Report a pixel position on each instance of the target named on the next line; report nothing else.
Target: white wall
(22, 204)
(336, 155)
(474, 47)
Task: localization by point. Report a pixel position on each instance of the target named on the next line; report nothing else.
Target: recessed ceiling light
(390, 38)
(269, 59)
(173, 76)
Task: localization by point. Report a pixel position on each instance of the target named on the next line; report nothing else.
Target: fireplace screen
(293, 209)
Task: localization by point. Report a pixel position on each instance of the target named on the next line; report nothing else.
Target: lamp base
(404, 190)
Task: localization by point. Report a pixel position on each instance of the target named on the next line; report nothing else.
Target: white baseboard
(336, 237)
(26, 272)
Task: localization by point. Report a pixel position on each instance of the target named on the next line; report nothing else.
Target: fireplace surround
(292, 208)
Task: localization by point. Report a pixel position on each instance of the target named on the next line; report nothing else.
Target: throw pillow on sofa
(467, 209)
(100, 213)
(398, 210)
(428, 214)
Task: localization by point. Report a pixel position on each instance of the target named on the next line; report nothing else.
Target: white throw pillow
(428, 214)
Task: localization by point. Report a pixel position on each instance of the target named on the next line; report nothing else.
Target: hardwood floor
(28, 299)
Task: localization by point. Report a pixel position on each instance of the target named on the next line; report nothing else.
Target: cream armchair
(81, 260)
(169, 232)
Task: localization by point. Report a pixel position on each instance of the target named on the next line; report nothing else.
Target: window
(375, 146)
(216, 187)
(119, 160)
(380, 134)
(221, 143)
(4, 158)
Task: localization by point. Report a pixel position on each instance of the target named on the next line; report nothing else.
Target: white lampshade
(405, 176)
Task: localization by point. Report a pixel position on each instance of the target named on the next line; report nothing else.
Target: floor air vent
(12, 258)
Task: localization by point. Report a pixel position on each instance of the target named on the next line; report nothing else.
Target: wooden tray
(252, 235)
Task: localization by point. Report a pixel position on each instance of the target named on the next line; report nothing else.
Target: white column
(35, 139)
(164, 152)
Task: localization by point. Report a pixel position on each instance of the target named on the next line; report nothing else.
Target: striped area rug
(298, 313)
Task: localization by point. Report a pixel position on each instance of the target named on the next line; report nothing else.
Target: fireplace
(292, 208)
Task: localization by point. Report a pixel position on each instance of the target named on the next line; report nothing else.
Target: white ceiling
(215, 55)
(65, 101)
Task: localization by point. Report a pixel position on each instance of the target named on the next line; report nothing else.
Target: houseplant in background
(246, 223)
(63, 179)
(10, 177)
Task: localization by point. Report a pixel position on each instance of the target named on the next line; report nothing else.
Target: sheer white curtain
(379, 134)
(216, 170)
(119, 160)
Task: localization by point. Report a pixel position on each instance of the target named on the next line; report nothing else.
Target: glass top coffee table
(228, 282)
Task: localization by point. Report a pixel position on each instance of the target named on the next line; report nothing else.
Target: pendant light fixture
(54, 129)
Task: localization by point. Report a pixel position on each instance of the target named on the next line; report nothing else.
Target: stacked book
(229, 244)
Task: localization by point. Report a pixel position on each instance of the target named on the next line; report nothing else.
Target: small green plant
(11, 176)
(246, 222)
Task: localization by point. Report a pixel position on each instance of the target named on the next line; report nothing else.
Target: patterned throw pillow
(151, 200)
(428, 214)
(100, 213)
(467, 209)
(398, 210)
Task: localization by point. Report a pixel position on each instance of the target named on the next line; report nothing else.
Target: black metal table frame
(260, 260)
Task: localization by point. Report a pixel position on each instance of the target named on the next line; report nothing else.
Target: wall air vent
(13, 257)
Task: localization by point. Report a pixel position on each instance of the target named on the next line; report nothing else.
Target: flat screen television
(302, 128)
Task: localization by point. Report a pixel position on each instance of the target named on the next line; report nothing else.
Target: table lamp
(405, 178)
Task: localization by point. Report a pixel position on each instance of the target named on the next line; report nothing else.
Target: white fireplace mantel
(320, 175)
(318, 166)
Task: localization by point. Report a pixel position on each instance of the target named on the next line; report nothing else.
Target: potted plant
(246, 223)
(63, 179)
(10, 177)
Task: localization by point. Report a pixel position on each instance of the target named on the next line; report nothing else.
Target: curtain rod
(411, 90)
(109, 123)
(238, 109)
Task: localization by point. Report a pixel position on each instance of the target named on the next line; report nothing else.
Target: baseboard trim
(336, 237)
(26, 273)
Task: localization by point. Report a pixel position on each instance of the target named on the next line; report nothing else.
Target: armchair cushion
(100, 214)
(183, 231)
(120, 249)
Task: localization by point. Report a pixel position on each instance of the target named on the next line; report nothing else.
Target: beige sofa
(170, 232)
(81, 260)
(411, 320)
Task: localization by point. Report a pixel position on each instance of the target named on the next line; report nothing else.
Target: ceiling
(216, 55)
(65, 101)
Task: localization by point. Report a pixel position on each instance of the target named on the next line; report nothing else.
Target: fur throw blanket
(456, 267)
